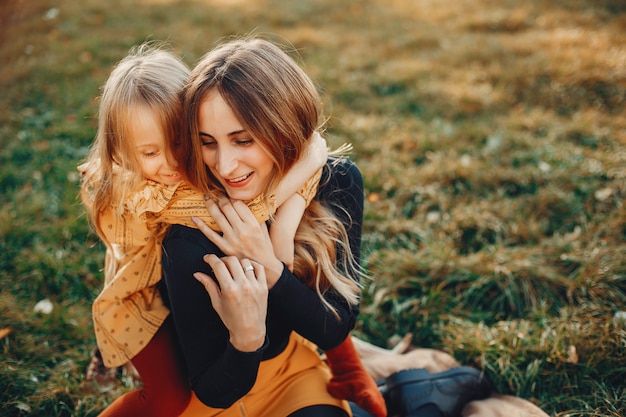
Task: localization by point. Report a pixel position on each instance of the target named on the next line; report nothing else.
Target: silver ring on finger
(248, 268)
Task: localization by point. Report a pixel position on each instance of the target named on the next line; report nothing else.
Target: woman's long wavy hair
(149, 76)
(278, 104)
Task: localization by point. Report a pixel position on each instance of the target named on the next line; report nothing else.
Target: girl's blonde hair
(278, 104)
(149, 76)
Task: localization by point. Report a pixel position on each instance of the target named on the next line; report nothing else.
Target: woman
(132, 190)
(251, 346)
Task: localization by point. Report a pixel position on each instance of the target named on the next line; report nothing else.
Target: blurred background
(491, 136)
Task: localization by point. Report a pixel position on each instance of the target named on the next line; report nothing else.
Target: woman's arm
(239, 296)
(220, 374)
(242, 235)
(293, 195)
(300, 306)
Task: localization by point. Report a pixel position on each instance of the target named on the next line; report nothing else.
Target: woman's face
(238, 162)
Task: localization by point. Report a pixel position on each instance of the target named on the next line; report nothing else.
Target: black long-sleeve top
(219, 373)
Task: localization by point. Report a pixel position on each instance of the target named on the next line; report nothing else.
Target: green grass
(492, 139)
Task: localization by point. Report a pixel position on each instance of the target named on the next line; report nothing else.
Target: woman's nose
(226, 162)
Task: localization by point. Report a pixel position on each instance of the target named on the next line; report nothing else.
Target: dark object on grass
(416, 392)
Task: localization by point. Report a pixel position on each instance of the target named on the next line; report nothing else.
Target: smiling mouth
(239, 179)
(175, 175)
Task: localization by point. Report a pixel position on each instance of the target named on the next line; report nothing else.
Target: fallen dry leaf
(5, 332)
(572, 354)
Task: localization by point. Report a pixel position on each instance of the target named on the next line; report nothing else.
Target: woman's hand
(242, 236)
(239, 298)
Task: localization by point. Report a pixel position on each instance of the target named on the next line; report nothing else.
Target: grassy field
(492, 139)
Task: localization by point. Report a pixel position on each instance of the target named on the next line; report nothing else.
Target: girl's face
(238, 162)
(149, 144)
(150, 147)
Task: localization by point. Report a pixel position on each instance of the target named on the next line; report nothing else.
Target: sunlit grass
(491, 136)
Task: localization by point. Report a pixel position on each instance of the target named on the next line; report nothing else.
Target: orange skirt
(294, 379)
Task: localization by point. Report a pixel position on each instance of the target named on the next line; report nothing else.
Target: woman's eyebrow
(235, 133)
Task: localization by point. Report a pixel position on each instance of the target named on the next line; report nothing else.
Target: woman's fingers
(230, 268)
(209, 285)
(222, 221)
(227, 207)
(242, 235)
(213, 236)
(235, 212)
(204, 228)
(258, 272)
(241, 300)
(221, 271)
(248, 269)
(243, 211)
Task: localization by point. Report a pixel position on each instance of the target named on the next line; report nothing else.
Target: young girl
(250, 345)
(132, 188)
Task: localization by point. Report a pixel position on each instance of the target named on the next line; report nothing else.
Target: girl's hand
(242, 235)
(239, 298)
(313, 158)
(317, 151)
